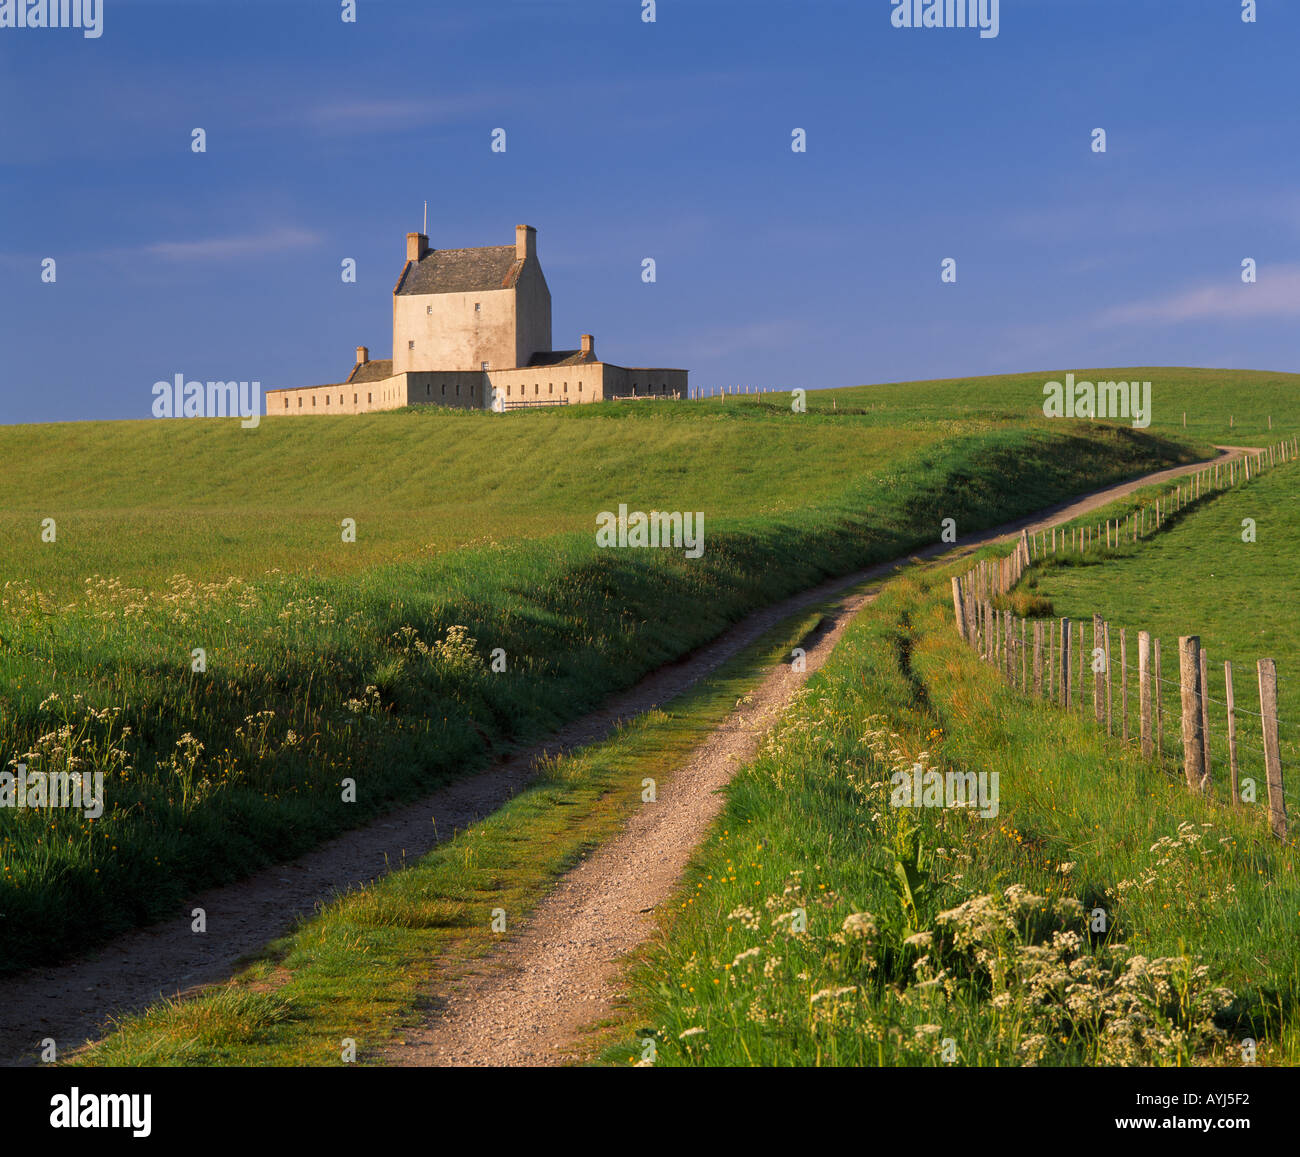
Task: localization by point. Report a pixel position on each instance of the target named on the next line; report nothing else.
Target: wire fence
(1120, 678)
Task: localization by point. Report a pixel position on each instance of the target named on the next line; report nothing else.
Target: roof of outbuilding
(461, 271)
(373, 371)
(563, 358)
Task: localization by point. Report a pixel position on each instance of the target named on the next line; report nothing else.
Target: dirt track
(558, 974)
(71, 1002)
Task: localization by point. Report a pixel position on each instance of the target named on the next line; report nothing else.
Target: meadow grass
(1222, 406)
(142, 500)
(382, 675)
(824, 924)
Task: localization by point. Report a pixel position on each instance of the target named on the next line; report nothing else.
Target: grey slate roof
(461, 271)
(563, 358)
(372, 371)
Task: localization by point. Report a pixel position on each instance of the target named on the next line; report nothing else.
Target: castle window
(340, 399)
(507, 391)
(300, 402)
(354, 399)
(370, 398)
(536, 389)
(313, 399)
(579, 387)
(550, 387)
(428, 309)
(410, 345)
(477, 307)
(286, 403)
(327, 399)
(458, 389)
(566, 387)
(444, 389)
(428, 389)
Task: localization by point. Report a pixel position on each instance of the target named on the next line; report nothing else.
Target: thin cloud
(228, 248)
(1276, 294)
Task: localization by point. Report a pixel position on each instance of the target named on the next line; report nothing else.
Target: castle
(472, 328)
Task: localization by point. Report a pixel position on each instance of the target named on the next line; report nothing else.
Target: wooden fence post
(1160, 701)
(1024, 660)
(1189, 680)
(1078, 683)
(1065, 663)
(1144, 692)
(1010, 655)
(1106, 643)
(959, 607)
(1123, 683)
(1272, 757)
(1038, 658)
(1096, 674)
(1205, 714)
(1232, 734)
(1049, 629)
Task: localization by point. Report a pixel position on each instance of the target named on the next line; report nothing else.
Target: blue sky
(628, 140)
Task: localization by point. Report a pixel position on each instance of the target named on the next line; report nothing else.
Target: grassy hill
(946, 936)
(1210, 399)
(370, 661)
(141, 500)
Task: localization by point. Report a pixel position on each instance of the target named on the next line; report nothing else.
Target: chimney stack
(417, 245)
(363, 355)
(588, 344)
(525, 242)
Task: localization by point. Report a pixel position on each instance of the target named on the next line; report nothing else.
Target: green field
(1199, 577)
(329, 660)
(143, 500)
(939, 936)
(1224, 407)
(929, 937)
